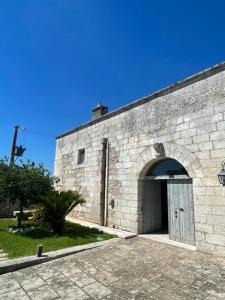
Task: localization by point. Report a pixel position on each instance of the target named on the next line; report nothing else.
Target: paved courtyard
(137, 268)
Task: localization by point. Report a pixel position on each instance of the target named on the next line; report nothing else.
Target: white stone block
(205, 247)
(215, 220)
(188, 133)
(218, 135)
(201, 138)
(219, 144)
(183, 126)
(205, 146)
(217, 153)
(219, 108)
(218, 210)
(203, 209)
(216, 239)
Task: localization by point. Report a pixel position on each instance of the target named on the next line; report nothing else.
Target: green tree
(25, 182)
(57, 204)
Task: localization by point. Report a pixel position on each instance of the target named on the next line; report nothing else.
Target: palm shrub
(57, 204)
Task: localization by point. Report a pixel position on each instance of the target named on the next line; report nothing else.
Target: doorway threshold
(164, 238)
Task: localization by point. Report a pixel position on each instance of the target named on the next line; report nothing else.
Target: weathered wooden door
(181, 210)
(151, 206)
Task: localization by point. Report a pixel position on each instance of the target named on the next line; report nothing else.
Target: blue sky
(59, 58)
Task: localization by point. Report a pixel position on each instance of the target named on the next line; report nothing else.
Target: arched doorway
(167, 201)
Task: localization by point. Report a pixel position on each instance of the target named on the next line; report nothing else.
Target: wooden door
(152, 218)
(181, 210)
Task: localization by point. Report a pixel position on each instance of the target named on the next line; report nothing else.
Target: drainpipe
(103, 181)
(107, 185)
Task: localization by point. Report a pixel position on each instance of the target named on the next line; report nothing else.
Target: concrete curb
(27, 261)
(120, 233)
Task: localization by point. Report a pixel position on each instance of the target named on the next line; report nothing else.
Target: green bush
(57, 204)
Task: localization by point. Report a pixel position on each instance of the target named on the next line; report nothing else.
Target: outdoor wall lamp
(221, 175)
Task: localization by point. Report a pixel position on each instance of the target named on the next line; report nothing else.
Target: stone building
(152, 165)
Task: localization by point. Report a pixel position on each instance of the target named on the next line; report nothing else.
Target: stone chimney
(99, 110)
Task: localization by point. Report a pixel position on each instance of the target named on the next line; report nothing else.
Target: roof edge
(165, 91)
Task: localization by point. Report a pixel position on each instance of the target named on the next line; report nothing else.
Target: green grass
(24, 244)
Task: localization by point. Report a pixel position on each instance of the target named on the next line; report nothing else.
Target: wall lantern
(221, 175)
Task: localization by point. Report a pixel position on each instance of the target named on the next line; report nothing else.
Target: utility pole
(13, 148)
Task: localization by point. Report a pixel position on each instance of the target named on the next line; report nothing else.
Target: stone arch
(144, 161)
(184, 156)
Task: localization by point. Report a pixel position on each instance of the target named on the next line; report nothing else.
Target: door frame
(168, 177)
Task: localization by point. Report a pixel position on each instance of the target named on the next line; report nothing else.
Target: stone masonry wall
(190, 122)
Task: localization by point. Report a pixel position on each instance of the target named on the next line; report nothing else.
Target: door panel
(151, 206)
(188, 215)
(181, 212)
(173, 211)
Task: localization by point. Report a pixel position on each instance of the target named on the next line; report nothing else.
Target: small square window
(81, 156)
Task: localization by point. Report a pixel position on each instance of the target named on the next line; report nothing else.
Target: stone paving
(137, 268)
(3, 255)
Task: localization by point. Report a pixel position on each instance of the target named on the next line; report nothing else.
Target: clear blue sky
(59, 58)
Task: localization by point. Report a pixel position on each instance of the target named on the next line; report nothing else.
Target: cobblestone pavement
(126, 269)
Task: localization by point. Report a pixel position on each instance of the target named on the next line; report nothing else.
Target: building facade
(152, 165)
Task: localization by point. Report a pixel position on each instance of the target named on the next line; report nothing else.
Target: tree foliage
(25, 182)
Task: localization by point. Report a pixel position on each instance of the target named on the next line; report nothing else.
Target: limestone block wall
(189, 119)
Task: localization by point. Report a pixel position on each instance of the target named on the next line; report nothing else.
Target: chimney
(99, 110)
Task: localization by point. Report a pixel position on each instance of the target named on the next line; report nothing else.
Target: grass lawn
(23, 244)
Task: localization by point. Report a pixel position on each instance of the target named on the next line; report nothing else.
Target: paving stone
(28, 279)
(16, 294)
(59, 282)
(163, 294)
(73, 293)
(97, 290)
(105, 277)
(43, 293)
(81, 279)
(118, 296)
(215, 290)
(71, 270)
(212, 298)
(46, 270)
(8, 283)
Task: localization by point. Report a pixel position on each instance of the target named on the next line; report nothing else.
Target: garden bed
(25, 243)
